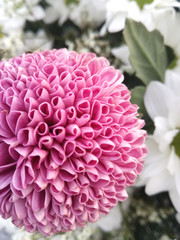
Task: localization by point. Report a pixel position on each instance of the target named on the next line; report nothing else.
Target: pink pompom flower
(70, 140)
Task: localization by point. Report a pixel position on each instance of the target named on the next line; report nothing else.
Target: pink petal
(67, 173)
(26, 136)
(57, 103)
(20, 209)
(42, 94)
(77, 165)
(105, 144)
(72, 132)
(83, 106)
(87, 133)
(83, 181)
(71, 114)
(59, 133)
(96, 110)
(58, 154)
(90, 160)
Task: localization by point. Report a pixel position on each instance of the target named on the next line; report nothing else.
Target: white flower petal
(177, 67)
(7, 225)
(161, 126)
(117, 22)
(111, 221)
(51, 15)
(92, 14)
(13, 25)
(37, 14)
(159, 183)
(115, 5)
(177, 181)
(37, 41)
(163, 134)
(122, 53)
(156, 99)
(117, 12)
(172, 81)
(177, 174)
(174, 113)
(172, 163)
(147, 20)
(168, 28)
(167, 139)
(174, 196)
(103, 29)
(178, 217)
(134, 11)
(156, 166)
(162, 4)
(153, 150)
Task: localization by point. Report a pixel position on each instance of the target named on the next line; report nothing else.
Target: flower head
(70, 140)
(118, 11)
(162, 166)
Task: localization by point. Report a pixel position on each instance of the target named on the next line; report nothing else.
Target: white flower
(12, 44)
(160, 15)
(78, 234)
(122, 53)
(162, 165)
(37, 41)
(111, 221)
(154, 15)
(82, 14)
(22, 235)
(14, 13)
(89, 13)
(7, 225)
(167, 21)
(117, 12)
(163, 4)
(57, 10)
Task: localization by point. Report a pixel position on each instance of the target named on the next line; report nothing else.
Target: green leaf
(173, 64)
(147, 52)
(137, 97)
(171, 57)
(176, 144)
(141, 3)
(68, 2)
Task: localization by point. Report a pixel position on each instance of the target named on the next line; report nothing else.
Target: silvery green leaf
(147, 52)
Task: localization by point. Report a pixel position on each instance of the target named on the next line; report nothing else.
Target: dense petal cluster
(70, 140)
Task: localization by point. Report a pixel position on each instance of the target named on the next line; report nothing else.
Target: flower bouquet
(89, 119)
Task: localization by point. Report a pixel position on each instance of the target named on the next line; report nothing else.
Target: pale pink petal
(67, 173)
(83, 106)
(59, 133)
(57, 103)
(77, 165)
(58, 154)
(90, 160)
(72, 132)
